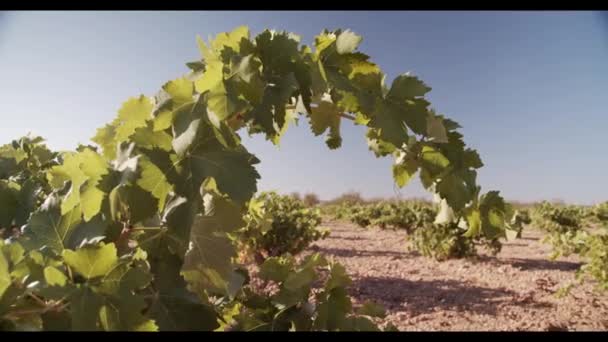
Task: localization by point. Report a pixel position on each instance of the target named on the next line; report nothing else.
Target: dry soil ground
(513, 291)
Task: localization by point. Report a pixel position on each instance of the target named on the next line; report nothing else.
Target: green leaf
(388, 119)
(333, 310)
(146, 137)
(404, 170)
(433, 161)
(131, 203)
(84, 308)
(473, 218)
(326, 116)
(277, 52)
(222, 101)
(300, 279)
(124, 278)
(180, 311)
(472, 159)
(359, 324)
(92, 261)
(337, 278)
(109, 318)
(84, 170)
(232, 40)
(436, 130)
(133, 114)
(48, 227)
(372, 309)
(154, 181)
(185, 126)
(162, 121)
(494, 224)
(207, 263)
(27, 202)
(85, 232)
(8, 203)
(276, 268)
(180, 90)
(54, 277)
(232, 170)
(245, 68)
(453, 189)
(105, 139)
(5, 277)
(407, 87)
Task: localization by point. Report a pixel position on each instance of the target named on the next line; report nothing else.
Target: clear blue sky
(529, 88)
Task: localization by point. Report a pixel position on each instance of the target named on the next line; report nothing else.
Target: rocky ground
(516, 290)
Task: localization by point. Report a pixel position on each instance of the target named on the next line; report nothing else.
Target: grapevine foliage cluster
(295, 304)
(565, 226)
(439, 240)
(282, 224)
(136, 232)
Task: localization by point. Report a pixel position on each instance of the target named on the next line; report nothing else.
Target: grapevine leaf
(146, 137)
(105, 137)
(109, 318)
(180, 91)
(180, 311)
(433, 161)
(378, 146)
(404, 170)
(453, 189)
(84, 308)
(388, 119)
(232, 170)
(337, 278)
(27, 202)
(472, 159)
(436, 129)
(208, 263)
(162, 121)
(222, 101)
(355, 323)
(276, 268)
(185, 126)
(473, 218)
(8, 204)
(407, 87)
(154, 181)
(372, 309)
(5, 277)
(48, 227)
(332, 311)
(84, 170)
(131, 203)
(301, 279)
(326, 116)
(54, 277)
(92, 261)
(133, 114)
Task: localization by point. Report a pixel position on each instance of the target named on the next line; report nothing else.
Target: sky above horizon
(529, 88)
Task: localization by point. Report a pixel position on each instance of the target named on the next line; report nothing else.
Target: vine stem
(58, 306)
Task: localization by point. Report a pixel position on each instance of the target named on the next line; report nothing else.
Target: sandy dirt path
(513, 291)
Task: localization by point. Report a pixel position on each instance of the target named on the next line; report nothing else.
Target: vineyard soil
(516, 290)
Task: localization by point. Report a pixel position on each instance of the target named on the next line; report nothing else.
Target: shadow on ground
(428, 296)
(352, 253)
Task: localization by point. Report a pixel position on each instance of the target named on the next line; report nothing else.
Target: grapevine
(135, 232)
